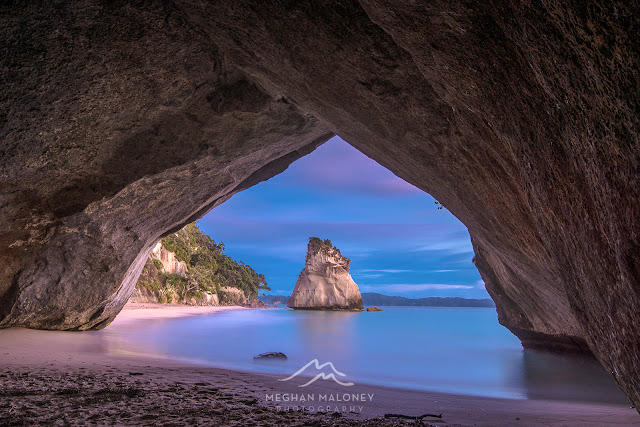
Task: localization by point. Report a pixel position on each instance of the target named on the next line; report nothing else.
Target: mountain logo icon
(315, 364)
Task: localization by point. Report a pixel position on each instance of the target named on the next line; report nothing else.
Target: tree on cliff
(208, 268)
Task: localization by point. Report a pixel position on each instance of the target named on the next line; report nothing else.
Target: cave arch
(121, 123)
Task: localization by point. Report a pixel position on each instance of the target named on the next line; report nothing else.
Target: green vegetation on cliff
(208, 270)
(319, 241)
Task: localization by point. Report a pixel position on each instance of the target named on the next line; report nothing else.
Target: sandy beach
(54, 378)
(147, 311)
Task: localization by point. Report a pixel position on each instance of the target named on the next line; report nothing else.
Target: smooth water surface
(457, 350)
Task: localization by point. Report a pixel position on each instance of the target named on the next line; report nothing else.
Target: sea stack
(325, 282)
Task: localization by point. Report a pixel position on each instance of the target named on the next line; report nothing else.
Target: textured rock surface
(325, 283)
(170, 263)
(120, 123)
(521, 118)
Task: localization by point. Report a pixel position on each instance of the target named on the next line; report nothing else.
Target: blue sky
(398, 241)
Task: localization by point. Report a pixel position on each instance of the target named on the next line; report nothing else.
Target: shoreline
(49, 376)
(133, 311)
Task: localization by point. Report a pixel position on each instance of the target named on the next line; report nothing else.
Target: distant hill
(371, 298)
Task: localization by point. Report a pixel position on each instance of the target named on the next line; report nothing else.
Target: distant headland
(372, 298)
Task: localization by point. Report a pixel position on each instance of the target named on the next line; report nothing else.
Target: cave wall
(520, 117)
(121, 123)
(119, 126)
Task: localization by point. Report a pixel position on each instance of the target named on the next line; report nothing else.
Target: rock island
(325, 282)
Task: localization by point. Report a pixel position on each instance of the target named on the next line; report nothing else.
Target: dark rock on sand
(270, 356)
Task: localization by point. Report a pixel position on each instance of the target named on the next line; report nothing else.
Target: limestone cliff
(167, 282)
(170, 264)
(164, 279)
(325, 282)
(189, 267)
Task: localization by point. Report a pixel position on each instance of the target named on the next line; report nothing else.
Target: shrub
(320, 241)
(156, 285)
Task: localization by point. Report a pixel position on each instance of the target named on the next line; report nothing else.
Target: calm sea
(457, 350)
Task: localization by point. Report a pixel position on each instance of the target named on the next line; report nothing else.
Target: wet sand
(53, 378)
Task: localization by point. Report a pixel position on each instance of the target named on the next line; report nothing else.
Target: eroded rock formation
(325, 283)
(119, 123)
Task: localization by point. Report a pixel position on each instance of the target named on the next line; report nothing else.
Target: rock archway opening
(407, 253)
(400, 240)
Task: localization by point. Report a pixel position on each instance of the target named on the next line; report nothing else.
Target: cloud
(388, 271)
(454, 246)
(367, 276)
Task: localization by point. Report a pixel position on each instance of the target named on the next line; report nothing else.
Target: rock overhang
(131, 120)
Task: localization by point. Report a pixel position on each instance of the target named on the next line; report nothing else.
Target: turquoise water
(457, 350)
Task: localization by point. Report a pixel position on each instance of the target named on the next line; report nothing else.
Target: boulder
(374, 308)
(325, 282)
(271, 356)
(207, 298)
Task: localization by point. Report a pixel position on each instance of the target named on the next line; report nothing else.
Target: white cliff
(170, 263)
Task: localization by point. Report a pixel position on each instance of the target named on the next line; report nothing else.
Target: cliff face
(325, 282)
(170, 264)
(122, 122)
(189, 267)
(153, 287)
